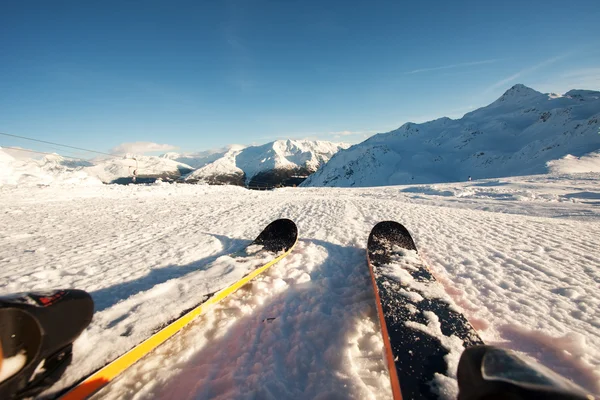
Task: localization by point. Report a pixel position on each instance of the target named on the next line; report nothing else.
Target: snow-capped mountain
(518, 134)
(120, 170)
(267, 165)
(50, 169)
(54, 169)
(202, 158)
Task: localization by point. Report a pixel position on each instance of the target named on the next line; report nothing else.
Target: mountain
(518, 134)
(269, 165)
(276, 163)
(144, 168)
(202, 158)
(47, 170)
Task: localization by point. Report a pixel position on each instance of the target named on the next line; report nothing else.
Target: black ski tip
(391, 232)
(279, 235)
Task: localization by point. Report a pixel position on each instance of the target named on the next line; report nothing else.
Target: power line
(57, 144)
(38, 152)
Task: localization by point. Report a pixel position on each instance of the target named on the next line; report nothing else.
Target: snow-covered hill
(50, 169)
(266, 165)
(515, 135)
(115, 170)
(31, 170)
(202, 158)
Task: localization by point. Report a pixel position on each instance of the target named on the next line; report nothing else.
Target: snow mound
(571, 165)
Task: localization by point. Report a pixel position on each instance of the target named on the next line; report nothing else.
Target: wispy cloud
(345, 135)
(141, 148)
(349, 134)
(582, 73)
(578, 78)
(460, 65)
(525, 71)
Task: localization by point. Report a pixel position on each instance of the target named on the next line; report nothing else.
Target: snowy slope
(257, 162)
(221, 170)
(54, 169)
(234, 164)
(519, 256)
(47, 170)
(515, 135)
(202, 158)
(111, 169)
(571, 165)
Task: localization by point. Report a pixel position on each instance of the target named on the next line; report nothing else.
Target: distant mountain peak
(583, 95)
(171, 155)
(515, 135)
(268, 164)
(519, 90)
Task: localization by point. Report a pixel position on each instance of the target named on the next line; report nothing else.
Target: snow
(571, 165)
(519, 256)
(111, 169)
(253, 160)
(11, 365)
(202, 158)
(401, 262)
(220, 165)
(518, 134)
(48, 170)
(224, 165)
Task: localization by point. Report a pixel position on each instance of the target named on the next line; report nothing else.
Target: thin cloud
(579, 78)
(347, 133)
(525, 71)
(141, 148)
(582, 72)
(349, 136)
(466, 64)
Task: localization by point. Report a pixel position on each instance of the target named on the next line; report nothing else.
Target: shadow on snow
(294, 337)
(108, 297)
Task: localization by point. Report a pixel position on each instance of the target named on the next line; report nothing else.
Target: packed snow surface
(518, 134)
(519, 256)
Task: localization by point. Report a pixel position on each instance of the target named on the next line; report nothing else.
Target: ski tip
(282, 223)
(391, 231)
(279, 235)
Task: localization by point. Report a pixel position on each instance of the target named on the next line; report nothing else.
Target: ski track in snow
(519, 256)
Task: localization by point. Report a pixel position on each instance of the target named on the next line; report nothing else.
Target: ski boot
(492, 373)
(37, 331)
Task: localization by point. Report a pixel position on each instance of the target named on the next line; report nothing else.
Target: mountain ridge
(270, 164)
(515, 135)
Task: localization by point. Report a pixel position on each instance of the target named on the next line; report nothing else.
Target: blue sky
(203, 74)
